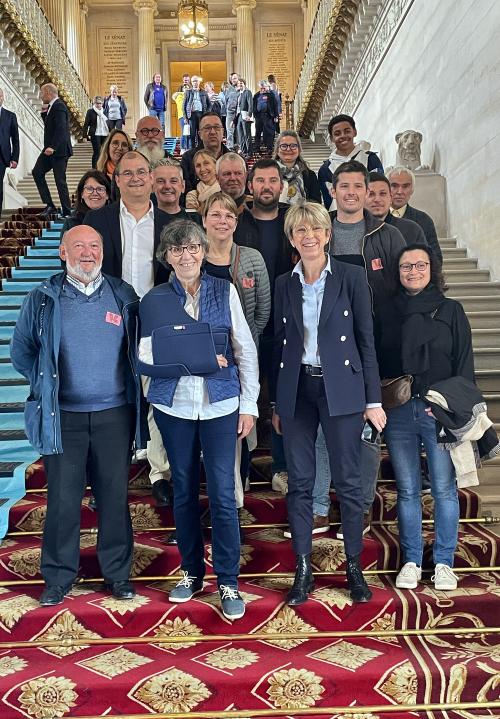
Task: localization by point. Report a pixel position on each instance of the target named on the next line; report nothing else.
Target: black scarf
(418, 328)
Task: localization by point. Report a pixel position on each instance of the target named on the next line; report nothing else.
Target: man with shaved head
(75, 343)
(150, 137)
(56, 151)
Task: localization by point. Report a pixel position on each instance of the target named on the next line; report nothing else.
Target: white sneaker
(279, 482)
(443, 578)
(409, 576)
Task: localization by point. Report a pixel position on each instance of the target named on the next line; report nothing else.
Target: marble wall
(441, 75)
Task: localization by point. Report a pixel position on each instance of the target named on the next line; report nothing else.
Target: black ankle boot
(355, 580)
(303, 582)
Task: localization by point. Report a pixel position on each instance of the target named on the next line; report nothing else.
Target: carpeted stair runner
(96, 656)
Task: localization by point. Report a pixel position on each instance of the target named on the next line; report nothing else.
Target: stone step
(473, 289)
(481, 337)
(458, 263)
(448, 242)
(488, 494)
(487, 358)
(488, 380)
(492, 400)
(489, 319)
(466, 275)
(478, 303)
(456, 252)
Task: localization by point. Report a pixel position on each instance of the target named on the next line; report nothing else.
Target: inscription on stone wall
(115, 60)
(277, 47)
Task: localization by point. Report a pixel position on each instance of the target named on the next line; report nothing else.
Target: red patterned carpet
(95, 656)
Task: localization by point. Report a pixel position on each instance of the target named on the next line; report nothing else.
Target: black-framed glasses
(178, 250)
(408, 266)
(155, 131)
(89, 190)
(210, 127)
(288, 146)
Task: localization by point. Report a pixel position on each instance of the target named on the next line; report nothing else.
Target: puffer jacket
(34, 351)
(250, 278)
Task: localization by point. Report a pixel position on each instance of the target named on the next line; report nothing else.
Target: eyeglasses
(217, 216)
(193, 248)
(288, 146)
(129, 174)
(302, 231)
(210, 127)
(155, 131)
(89, 190)
(408, 266)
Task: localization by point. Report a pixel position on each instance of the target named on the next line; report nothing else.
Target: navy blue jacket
(9, 137)
(345, 340)
(427, 224)
(56, 131)
(34, 351)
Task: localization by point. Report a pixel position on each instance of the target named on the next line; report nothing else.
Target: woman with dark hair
(92, 193)
(422, 338)
(116, 144)
(300, 182)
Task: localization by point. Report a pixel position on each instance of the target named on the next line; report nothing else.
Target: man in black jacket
(402, 182)
(196, 103)
(265, 111)
(242, 120)
(232, 178)
(56, 151)
(9, 143)
(378, 202)
(211, 132)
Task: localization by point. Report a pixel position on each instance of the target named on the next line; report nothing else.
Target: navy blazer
(56, 132)
(9, 137)
(427, 224)
(345, 340)
(107, 222)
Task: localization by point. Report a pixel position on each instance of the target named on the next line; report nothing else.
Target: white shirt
(49, 107)
(137, 249)
(191, 396)
(88, 289)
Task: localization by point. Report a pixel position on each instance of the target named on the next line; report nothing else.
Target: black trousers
(2, 175)
(264, 126)
(103, 440)
(245, 136)
(97, 142)
(45, 164)
(194, 123)
(343, 441)
(112, 124)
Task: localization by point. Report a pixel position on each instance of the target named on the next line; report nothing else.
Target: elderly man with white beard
(150, 137)
(75, 343)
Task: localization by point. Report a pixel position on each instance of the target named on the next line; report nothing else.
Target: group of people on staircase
(254, 277)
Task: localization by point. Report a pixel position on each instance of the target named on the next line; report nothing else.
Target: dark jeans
(97, 142)
(264, 126)
(245, 136)
(2, 175)
(343, 439)
(183, 439)
(118, 124)
(101, 440)
(45, 164)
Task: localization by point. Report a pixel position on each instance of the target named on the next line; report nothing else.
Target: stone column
(54, 10)
(84, 71)
(145, 11)
(245, 40)
(309, 8)
(73, 31)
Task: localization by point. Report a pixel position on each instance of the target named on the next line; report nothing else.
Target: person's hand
(245, 424)
(276, 422)
(221, 360)
(377, 417)
(428, 411)
(48, 151)
(13, 165)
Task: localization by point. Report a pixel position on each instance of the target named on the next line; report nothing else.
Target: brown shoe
(320, 525)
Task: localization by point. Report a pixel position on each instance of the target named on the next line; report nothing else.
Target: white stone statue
(408, 154)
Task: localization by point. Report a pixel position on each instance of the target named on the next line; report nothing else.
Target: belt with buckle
(312, 370)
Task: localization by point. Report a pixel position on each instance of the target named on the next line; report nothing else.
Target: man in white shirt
(131, 229)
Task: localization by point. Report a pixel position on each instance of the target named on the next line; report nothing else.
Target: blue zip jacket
(34, 351)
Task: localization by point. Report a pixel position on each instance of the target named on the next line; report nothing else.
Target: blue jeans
(369, 460)
(183, 439)
(407, 427)
(185, 139)
(160, 114)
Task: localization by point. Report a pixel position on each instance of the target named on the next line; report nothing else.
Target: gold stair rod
(248, 575)
(258, 636)
(376, 523)
(320, 711)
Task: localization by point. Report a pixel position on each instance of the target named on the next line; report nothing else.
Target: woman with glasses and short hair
(205, 410)
(92, 193)
(300, 182)
(426, 336)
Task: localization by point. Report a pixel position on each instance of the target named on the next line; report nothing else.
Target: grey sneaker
(233, 606)
(444, 579)
(409, 576)
(186, 588)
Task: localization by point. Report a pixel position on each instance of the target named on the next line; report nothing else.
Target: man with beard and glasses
(150, 137)
(265, 183)
(131, 231)
(75, 343)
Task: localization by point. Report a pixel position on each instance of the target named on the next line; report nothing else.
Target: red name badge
(113, 318)
(248, 282)
(377, 264)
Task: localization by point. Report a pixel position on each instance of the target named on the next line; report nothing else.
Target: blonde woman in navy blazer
(325, 371)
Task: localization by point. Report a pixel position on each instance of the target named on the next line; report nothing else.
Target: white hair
(230, 157)
(398, 170)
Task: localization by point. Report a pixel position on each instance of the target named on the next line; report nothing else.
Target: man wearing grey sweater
(74, 342)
